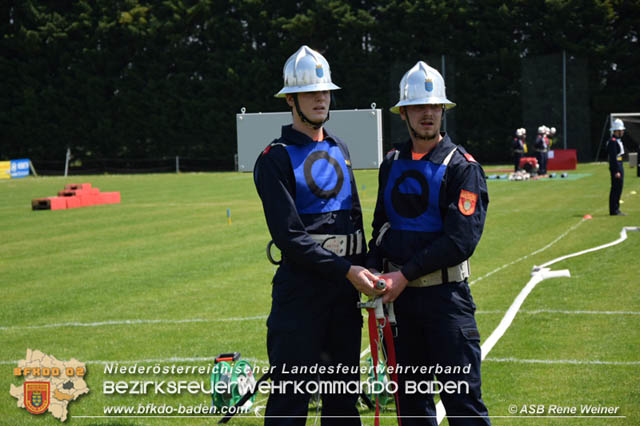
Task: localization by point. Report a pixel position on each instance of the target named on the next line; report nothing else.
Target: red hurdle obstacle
(76, 195)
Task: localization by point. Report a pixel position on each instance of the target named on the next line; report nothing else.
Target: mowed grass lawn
(163, 279)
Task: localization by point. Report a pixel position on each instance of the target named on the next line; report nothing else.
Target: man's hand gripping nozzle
(375, 302)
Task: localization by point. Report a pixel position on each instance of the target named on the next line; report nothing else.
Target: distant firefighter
(542, 149)
(519, 147)
(615, 151)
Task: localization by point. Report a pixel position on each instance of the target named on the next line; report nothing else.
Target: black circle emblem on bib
(311, 182)
(410, 205)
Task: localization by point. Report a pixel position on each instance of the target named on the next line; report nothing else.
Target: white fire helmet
(542, 130)
(306, 71)
(422, 85)
(552, 131)
(617, 125)
(521, 131)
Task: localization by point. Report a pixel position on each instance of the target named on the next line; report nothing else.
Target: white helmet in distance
(422, 85)
(617, 125)
(306, 71)
(542, 130)
(521, 132)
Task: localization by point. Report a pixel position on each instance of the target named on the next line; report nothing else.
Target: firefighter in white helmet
(615, 152)
(429, 216)
(542, 150)
(312, 210)
(519, 147)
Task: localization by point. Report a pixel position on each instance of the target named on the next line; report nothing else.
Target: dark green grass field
(163, 279)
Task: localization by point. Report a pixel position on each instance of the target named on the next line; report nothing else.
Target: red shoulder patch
(467, 202)
(470, 158)
(266, 150)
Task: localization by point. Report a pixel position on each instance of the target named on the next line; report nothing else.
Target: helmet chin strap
(314, 125)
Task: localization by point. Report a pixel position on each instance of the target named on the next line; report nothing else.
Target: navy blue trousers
(516, 161)
(333, 338)
(615, 193)
(436, 328)
(543, 157)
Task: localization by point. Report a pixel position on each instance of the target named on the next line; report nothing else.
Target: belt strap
(341, 245)
(455, 273)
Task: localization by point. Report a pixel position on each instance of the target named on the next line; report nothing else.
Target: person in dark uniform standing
(542, 150)
(615, 151)
(313, 213)
(519, 147)
(429, 216)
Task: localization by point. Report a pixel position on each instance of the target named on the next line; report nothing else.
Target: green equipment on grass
(381, 384)
(231, 379)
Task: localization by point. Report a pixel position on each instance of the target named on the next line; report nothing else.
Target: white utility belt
(455, 273)
(342, 245)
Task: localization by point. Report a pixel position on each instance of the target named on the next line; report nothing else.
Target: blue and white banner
(20, 168)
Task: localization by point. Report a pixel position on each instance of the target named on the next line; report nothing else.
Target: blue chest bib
(412, 194)
(323, 182)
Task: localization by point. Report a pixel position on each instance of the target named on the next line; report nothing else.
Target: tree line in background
(137, 79)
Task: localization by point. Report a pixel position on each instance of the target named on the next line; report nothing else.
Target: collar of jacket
(295, 137)
(436, 155)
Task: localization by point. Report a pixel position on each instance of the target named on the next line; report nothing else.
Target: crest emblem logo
(467, 202)
(319, 71)
(428, 85)
(37, 396)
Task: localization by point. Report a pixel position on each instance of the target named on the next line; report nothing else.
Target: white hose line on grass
(561, 311)
(506, 265)
(560, 361)
(154, 361)
(533, 253)
(266, 363)
(538, 274)
(623, 236)
(131, 322)
(366, 351)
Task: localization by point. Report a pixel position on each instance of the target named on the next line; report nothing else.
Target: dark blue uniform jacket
(310, 279)
(614, 153)
(541, 144)
(517, 145)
